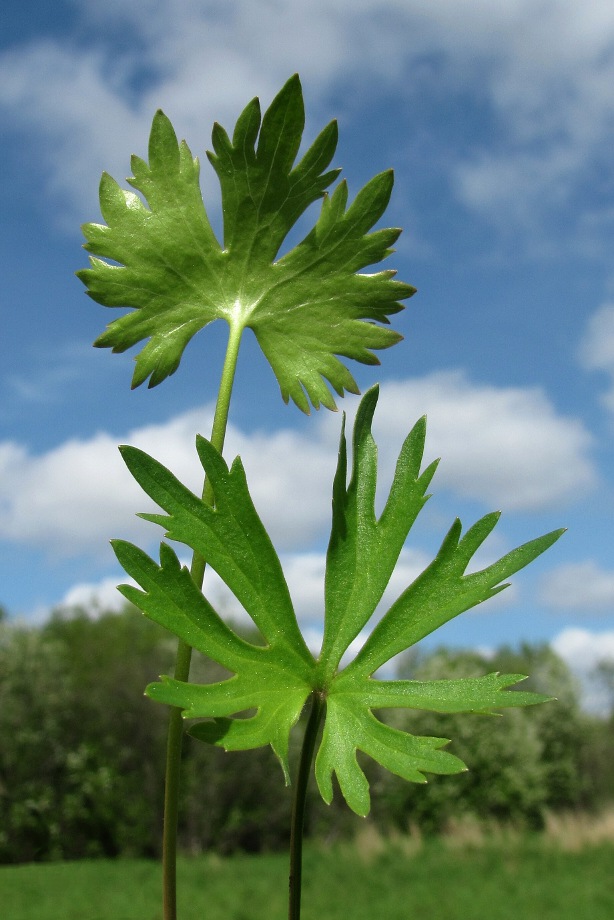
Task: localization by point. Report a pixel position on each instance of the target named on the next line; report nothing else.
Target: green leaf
(443, 591)
(307, 308)
(350, 725)
(354, 585)
(230, 536)
(276, 679)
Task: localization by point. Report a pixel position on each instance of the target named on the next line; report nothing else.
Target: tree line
(82, 751)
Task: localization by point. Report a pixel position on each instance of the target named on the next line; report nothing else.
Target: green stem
(298, 807)
(184, 651)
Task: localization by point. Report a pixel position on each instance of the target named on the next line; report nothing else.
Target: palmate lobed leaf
(276, 679)
(307, 309)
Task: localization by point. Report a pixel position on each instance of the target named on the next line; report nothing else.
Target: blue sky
(498, 120)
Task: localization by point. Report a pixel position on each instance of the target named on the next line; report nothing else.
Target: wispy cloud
(46, 377)
(597, 347)
(544, 72)
(585, 587)
(583, 651)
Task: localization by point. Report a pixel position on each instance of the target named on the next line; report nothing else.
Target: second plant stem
(184, 651)
(298, 806)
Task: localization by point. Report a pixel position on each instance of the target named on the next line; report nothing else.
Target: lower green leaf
(262, 702)
(349, 727)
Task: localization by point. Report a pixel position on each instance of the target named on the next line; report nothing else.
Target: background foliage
(82, 751)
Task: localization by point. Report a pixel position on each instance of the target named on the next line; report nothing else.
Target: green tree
(520, 764)
(604, 675)
(81, 749)
(33, 700)
(562, 727)
(77, 740)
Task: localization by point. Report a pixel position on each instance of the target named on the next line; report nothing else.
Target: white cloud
(501, 446)
(544, 70)
(94, 597)
(581, 586)
(506, 186)
(597, 347)
(203, 63)
(583, 651)
(76, 496)
(505, 446)
(550, 86)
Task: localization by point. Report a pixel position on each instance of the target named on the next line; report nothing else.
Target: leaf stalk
(318, 704)
(184, 651)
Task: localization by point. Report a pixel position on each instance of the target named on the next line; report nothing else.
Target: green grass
(524, 880)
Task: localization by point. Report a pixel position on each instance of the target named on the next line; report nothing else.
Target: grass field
(523, 878)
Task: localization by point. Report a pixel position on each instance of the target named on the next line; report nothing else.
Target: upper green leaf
(276, 679)
(306, 308)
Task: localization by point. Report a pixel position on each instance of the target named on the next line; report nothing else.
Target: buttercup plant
(308, 309)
